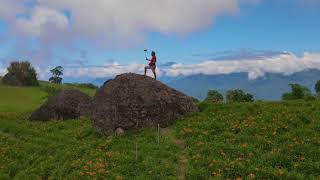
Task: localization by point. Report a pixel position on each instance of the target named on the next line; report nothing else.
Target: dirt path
(183, 158)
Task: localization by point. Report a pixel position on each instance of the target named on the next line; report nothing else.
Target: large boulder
(137, 101)
(67, 104)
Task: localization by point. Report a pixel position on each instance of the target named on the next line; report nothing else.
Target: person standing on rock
(152, 64)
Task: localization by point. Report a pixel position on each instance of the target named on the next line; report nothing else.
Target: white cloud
(41, 21)
(108, 70)
(103, 71)
(103, 24)
(112, 21)
(3, 71)
(126, 18)
(10, 8)
(284, 63)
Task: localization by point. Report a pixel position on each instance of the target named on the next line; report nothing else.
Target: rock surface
(119, 131)
(67, 104)
(137, 101)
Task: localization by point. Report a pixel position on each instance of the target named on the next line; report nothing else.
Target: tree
(56, 73)
(287, 96)
(317, 87)
(214, 97)
(21, 74)
(297, 92)
(239, 95)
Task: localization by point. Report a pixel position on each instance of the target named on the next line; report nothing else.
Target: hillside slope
(255, 140)
(72, 149)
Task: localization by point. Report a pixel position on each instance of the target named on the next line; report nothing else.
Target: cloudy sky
(100, 38)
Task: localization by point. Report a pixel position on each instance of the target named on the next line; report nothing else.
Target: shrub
(317, 87)
(21, 74)
(287, 97)
(83, 85)
(51, 90)
(214, 97)
(195, 100)
(239, 95)
(297, 92)
(203, 106)
(310, 98)
(305, 119)
(88, 85)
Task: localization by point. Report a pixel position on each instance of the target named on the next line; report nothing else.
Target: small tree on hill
(56, 73)
(317, 87)
(239, 95)
(297, 92)
(21, 74)
(214, 97)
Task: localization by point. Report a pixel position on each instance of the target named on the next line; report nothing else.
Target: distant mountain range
(269, 87)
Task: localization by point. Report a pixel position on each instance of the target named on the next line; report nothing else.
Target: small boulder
(67, 104)
(119, 131)
(137, 101)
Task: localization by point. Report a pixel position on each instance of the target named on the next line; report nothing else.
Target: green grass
(250, 140)
(254, 140)
(72, 149)
(90, 92)
(16, 99)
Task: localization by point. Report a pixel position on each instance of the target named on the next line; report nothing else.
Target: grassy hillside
(255, 140)
(89, 91)
(72, 149)
(258, 140)
(14, 99)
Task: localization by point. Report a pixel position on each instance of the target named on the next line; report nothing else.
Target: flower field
(254, 141)
(262, 140)
(72, 149)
